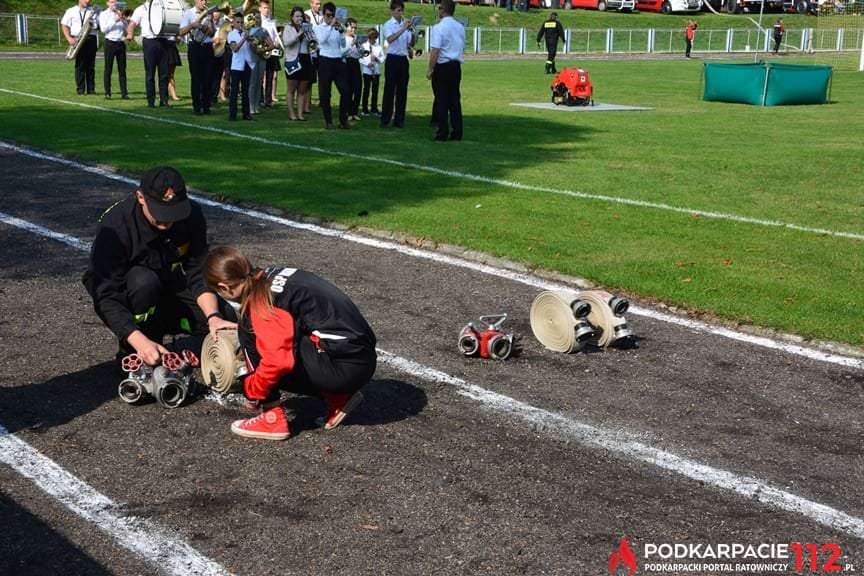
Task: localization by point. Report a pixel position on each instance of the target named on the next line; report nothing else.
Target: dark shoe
(440, 138)
(124, 97)
(164, 105)
(151, 105)
(456, 137)
(247, 117)
(206, 111)
(385, 124)
(80, 92)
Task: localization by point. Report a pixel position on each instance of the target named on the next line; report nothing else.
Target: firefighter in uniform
(145, 268)
(552, 30)
(299, 333)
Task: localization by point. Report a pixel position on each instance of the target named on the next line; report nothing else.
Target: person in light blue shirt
(331, 66)
(400, 37)
(447, 50)
(242, 63)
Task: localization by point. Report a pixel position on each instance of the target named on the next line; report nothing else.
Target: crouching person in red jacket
(300, 333)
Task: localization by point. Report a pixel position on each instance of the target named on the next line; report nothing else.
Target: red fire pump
(572, 87)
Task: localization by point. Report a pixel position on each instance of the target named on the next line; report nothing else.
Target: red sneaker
(339, 406)
(269, 425)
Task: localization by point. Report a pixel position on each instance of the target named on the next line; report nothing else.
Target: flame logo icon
(623, 555)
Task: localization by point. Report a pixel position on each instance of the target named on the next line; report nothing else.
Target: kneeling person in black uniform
(299, 333)
(145, 268)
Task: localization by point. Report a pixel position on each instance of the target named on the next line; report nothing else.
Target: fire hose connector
(169, 384)
(486, 339)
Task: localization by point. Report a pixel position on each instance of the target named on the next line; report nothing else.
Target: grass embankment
(794, 164)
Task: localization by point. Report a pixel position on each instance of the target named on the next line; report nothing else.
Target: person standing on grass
(113, 23)
(155, 55)
(447, 49)
(332, 68)
(242, 63)
(552, 31)
(298, 64)
(400, 38)
(299, 333)
(199, 55)
(779, 30)
(371, 68)
(72, 23)
(689, 35)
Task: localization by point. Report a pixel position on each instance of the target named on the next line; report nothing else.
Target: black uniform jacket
(304, 306)
(552, 30)
(125, 239)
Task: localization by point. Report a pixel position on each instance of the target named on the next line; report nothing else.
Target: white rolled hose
(565, 321)
(222, 363)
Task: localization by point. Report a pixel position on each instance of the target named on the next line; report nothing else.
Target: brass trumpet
(309, 35)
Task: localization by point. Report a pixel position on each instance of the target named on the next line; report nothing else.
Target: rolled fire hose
(221, 362)
(565, 321)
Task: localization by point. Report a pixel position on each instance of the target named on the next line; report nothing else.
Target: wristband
(216, 314)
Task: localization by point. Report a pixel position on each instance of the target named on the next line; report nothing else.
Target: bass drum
(165, 17)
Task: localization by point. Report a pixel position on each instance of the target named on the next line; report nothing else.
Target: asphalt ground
(424, 478)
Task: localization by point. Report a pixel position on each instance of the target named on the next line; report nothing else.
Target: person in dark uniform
(299, 333)
(552, 30)
(200, 54)
(145, 268)
(74, 20)
(779, 29)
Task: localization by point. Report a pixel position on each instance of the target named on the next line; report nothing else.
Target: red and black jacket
(304, 306)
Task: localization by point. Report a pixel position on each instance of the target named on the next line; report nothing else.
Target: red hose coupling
(131, 363)
(172, 361)
(190, 358)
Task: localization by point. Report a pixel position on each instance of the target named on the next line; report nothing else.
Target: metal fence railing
(24, 29)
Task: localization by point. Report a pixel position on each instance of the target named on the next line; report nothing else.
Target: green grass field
(798, 165)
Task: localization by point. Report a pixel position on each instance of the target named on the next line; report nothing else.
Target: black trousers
(551, 52)
(156, 56)
(115, 51)
(272, 68)
(396, 76)
(330, 71)
(85, 66)
(777, 42)
(355, 84)
(370, 83)
(201, 64)
(239, 82)
(446, 80)
(317, 372)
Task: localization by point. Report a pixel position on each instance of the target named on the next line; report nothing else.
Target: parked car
(623, 5)
(669, 6)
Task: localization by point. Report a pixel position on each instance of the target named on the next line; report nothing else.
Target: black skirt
(174, 55)
(305, 72)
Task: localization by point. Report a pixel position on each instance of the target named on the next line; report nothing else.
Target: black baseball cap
(164, 191)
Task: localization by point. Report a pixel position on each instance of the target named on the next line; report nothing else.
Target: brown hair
(228, 265)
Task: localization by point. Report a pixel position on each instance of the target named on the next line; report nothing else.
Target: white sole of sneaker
(352, 403)
(236, 429)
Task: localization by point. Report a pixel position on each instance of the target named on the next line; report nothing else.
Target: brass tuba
(73, 50)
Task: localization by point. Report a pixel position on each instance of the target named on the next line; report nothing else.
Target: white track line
(155, 544)
(455, 174)
(561, 426)
(525, 279)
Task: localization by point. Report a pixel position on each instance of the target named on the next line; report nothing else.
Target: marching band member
(299, 333)
(221, 65)
(85, 61)
(200, 54)
(371, 68)
(447, 50)
(397, 31)
(314, 18)
(256, 76)
(155, 55)
(331, 67)
(352, 62)
(272, 63)
(296, 54)
(113, 23)
(242, 63)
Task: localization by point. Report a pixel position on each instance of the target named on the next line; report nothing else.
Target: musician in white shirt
(331, 66)
(156, 55)
(273, 63)
(85, 60)
(370, 66)
(242, 63)
(447, 49)
(113, 23)
(400, 37)
(313, 17)
(200, 54)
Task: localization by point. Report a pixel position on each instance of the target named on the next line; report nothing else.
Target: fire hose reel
(567, 321)
(485, 338)
(222, 362)
(170, 384)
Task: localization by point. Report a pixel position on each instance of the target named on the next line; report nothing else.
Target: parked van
(669, 6)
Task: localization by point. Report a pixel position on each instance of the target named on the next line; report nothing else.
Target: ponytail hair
(227, 265)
